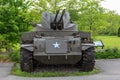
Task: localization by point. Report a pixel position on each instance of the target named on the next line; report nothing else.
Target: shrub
(119, 32)
(109, 54)
(15, 56)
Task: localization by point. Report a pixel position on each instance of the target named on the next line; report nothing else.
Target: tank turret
(51, 22)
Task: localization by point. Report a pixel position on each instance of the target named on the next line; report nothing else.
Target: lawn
(109, 41)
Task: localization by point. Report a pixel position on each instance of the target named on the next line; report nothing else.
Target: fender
(29, 47)
(85, 46)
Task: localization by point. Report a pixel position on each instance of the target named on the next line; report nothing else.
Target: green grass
(16, 71)
(112, 47)
(110, 41)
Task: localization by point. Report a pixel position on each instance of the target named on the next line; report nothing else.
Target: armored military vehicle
(56, 41)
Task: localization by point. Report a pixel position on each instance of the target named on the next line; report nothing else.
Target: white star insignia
(56, 45)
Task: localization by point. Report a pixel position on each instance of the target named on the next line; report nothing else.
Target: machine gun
(58, 25)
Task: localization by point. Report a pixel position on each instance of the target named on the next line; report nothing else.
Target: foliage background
(15, 16)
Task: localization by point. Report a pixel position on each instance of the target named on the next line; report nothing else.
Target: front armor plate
(56, 46)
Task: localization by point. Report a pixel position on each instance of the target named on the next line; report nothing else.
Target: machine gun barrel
(57, 12)
(62, 15)
(58, 24)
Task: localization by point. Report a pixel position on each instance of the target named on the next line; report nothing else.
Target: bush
(119, 32)
(109, 54)
(15, 56)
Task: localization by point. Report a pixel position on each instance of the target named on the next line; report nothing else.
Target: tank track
(26, 60)
(88, 60)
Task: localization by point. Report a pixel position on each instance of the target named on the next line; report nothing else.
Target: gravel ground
(110, 70)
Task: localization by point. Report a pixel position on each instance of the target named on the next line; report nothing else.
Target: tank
(56, 41)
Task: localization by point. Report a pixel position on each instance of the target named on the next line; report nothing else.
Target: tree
(14, 19)
(90, 15)
(111, 22)
(85, 12)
